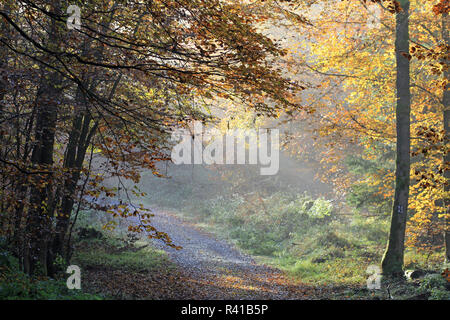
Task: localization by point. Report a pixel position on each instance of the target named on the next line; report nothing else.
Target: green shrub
(16, 285)
(298, 233)
(374, 229)
(435, 286)
(320, 209)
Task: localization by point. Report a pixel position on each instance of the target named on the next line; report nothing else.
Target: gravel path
(222, 270)
(214, 269)
(201, 252)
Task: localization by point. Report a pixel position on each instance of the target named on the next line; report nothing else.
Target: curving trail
(207, 268)
(219, 270)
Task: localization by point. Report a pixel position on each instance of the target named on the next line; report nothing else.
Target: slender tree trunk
(446, 106)
(68, 188)
(79, 139)
(392, 263)
(39, 222)
(75, 153)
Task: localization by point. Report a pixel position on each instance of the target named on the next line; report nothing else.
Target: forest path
(217, 270)
(207, 268)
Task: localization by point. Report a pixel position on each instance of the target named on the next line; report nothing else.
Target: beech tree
(392, 262)
(355, 95)
(117, 86)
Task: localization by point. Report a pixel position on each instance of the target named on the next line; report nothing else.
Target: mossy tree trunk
(392, 263)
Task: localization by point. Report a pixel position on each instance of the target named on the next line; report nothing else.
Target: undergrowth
(306, 237)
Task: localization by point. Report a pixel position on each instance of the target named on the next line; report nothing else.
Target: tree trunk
(39, 220)
(392, 263)
(79, 140)
(39, 223)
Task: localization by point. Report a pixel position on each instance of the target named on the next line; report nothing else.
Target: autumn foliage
(109, 94)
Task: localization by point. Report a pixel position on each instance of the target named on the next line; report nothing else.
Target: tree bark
(392, 263)
(39, 224)
(79, 140)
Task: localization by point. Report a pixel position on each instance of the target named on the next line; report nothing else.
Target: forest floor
(205, 268)
(221, 270)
